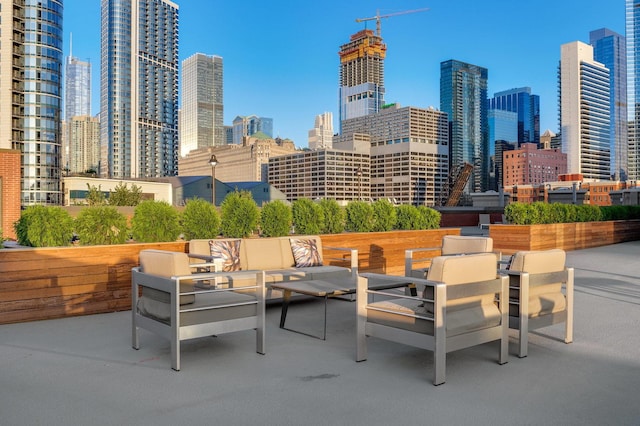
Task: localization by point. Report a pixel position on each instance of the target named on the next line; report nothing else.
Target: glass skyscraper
(633, 88)
(139, 89)
(584, 112)
(463, 96)
(42, 87)
(609, 49)
(77, 99)
(526, 105)
(202, 111)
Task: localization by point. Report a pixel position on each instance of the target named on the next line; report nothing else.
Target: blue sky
(281, 56)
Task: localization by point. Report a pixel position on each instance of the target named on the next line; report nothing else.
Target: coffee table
(327, 289)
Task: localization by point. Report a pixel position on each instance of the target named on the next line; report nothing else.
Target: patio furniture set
(462, 295)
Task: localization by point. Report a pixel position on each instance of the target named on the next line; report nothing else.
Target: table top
(322, 288)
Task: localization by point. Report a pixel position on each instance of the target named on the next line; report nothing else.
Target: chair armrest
(410, 261)
(205, 257)
(353, 256)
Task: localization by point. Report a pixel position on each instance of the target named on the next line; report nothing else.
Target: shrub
(620, 212)
(155, 221)
(518, 214)
(431, 217)
(199, 219)
(409, 218)
(101, 225)
(275, 219)
(588, 213)
(95, 196)
(335, 217)
(359, 216)
(308, 217)
(239, 215)
(384, 215)
(43, 226)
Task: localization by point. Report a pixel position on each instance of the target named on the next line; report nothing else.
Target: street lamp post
(213, 161)
(359, 174)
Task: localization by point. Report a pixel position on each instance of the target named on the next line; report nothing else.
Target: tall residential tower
(321, 136)
(31, 95)
(139, 89)
(584, 112)
(202, 111)
(361, 89)
(463, 96)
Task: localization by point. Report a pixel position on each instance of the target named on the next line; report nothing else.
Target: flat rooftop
(83, 371)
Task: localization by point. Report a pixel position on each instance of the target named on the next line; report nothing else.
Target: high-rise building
(202, 111)
(84, 143)
(77, 102)
(463, 96)
(529, 165)
(321, 136)
(244, 126)
(409, 152)
(584, 111)
(633, 87)
(139, 88)
(503, 128)
(31, 95)
(361, 89)
(609, 49)
(526, 106)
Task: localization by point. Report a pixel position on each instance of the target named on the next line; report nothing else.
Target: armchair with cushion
(457, 309)
(416, 260)
(540, 293)
(167, 299)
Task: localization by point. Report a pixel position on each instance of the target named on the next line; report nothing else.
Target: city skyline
(282, 61)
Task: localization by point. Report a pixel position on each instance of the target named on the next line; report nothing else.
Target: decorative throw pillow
(228, 251)
(305, 252)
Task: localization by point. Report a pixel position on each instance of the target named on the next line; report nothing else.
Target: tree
(275, 219)
(123, 196)
(308, 216)
(95, 196)
(334, 217)
(44, 226)
(101, 225)
(239, 214)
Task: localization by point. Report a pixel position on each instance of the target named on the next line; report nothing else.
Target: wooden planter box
(45, 283)
(567, 236)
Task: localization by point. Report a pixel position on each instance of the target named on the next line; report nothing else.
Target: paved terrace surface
(83, 371)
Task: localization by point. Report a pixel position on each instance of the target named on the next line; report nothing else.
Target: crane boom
(378, 17)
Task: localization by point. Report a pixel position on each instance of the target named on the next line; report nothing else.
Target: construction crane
(378, 17)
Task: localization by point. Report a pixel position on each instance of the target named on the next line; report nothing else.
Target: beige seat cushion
(544, 299)
(166, 264)
(463, 315)
(457, 244)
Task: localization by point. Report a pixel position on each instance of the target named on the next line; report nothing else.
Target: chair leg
(439, 365)
(361, 319)
(175, 354)
(523, 337)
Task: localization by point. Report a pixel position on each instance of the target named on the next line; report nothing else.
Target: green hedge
(275, 219)
(543, 213)
(99, 225)
(44, 226)
(155, 221)
(308, 217)
(199, 220)
(240, 215)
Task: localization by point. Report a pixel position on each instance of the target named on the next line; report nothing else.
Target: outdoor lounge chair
(451, 245)
(457, 309)
(177, 305)
(536, 297)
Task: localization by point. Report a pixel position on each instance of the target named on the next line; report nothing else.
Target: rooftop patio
(82, 370)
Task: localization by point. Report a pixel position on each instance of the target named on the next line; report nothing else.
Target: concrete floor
(83, 371)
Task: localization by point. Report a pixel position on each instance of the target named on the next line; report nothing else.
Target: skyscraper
(584, 111)
(77, 102)
(139, 88)
(361, 75)
(202, 112)
(463, 96)
(321, 136)
(609, 49)
(31, 97)
(633, 88)
(526, 105)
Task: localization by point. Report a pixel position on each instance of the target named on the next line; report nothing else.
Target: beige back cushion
(166, 264)
(459, 270)
(267, 253)
(456, 244)
(538, 262)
